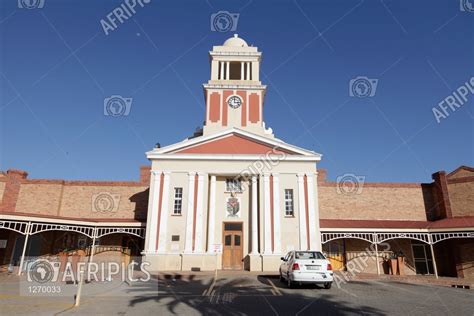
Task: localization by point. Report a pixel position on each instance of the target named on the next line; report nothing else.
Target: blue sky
(57, 66)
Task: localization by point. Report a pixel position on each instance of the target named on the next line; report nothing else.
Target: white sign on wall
(3, 243)
(217, 248)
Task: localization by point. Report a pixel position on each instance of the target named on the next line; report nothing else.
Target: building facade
(234, 196)
(226, 174)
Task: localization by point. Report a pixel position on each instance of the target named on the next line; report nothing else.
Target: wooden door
(335, 252)
(233, 243)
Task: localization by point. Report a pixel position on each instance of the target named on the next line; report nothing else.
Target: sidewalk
(416, 279)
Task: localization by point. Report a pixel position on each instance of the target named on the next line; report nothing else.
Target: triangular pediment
(461, 172)
(232, 142)
(234, 145)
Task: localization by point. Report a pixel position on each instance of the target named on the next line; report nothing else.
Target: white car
(306, 267)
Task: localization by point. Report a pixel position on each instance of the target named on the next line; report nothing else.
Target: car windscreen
(309, 255)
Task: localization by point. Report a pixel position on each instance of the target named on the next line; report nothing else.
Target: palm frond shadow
(238, 296)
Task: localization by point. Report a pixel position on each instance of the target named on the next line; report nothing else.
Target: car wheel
(327, 285)
(288, 281)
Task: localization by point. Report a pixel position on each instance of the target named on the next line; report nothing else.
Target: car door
(289, 262)
(284, 265)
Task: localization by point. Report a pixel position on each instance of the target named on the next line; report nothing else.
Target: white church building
(233, 196)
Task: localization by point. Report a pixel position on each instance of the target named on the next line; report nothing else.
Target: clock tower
(234, 94)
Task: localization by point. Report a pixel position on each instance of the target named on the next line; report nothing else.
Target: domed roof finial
(235, 41)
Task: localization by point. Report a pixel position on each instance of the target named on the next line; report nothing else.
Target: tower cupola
(234, 93)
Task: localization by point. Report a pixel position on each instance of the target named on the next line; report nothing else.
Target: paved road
(245, 294)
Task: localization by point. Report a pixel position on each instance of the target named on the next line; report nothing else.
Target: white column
(22, 259)
(433, 258)
(188, 246)
(248, 71)
(374, 237)
(267, 213)
(254, 216)
(212, 215)
(221, 77)
(164, 213)
(302, 212)
(276, 214)
(242, 67)
(94, 236)
(313, 222)
(227, 73)
(319, 245)
(199, 213)
(152, 217)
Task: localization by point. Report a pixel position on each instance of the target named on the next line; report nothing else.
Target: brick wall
(41, 199)
(461, 195)
(131, 201)
(461, 172)
(2, 189)
(375, 201)
(76, 199)
(13, 179)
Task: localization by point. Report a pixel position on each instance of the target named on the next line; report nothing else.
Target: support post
(374, 238)
(94, 236)
(28, 228)
(433, 257)
(79, 289)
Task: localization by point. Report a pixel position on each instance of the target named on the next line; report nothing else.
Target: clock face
(234, 102)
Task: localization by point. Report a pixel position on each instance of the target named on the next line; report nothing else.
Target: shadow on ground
(239, 295)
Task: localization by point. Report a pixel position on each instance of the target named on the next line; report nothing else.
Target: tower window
(235, 69)
(289, 202)
(178, 201)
